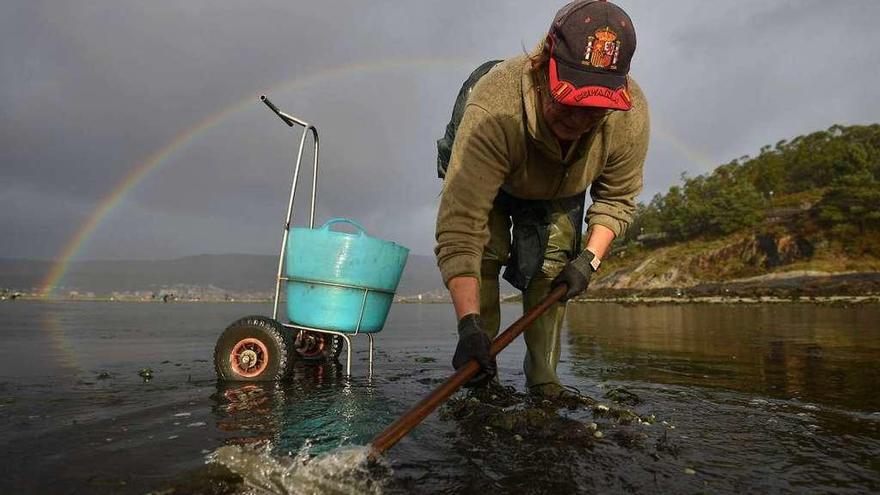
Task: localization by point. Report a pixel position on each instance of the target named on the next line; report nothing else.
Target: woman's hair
(540, 64)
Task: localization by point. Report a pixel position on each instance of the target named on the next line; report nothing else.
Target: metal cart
(256, 348)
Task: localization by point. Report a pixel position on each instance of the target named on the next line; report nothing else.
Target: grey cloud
(88, 90)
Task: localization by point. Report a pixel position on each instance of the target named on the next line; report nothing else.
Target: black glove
(576, 274)
(473, 343)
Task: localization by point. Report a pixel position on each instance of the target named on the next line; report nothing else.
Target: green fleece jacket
(504, 143)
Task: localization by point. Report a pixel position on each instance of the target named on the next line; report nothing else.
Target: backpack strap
(444, 144)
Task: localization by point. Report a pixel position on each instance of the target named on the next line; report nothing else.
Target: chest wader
(534, 240)
(546, 235)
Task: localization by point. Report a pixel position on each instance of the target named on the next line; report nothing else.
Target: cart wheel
(314, 346)
(254, 348)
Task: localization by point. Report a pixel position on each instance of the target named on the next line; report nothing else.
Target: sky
(92, 90)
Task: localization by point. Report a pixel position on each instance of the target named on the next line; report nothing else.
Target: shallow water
(754, 398)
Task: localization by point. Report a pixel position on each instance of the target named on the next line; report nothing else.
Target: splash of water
(342, 471)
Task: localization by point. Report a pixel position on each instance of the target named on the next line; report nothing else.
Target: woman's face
(568, 122)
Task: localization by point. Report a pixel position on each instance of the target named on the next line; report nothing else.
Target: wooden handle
(404, 424)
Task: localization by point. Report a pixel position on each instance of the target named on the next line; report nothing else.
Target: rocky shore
(798, 286)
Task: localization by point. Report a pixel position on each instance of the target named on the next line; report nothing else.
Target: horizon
(91, 260)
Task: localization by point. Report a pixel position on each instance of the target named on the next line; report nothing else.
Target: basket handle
(360, 228)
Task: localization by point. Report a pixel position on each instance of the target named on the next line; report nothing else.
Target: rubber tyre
(317, 347)
(264, 334)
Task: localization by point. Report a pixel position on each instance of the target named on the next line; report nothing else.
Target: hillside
(805, 208)
(759, 258)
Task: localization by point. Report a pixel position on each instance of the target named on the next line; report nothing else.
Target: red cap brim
(566, 92)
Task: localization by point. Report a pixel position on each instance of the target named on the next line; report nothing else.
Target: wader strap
(576, 214)
(444, 144)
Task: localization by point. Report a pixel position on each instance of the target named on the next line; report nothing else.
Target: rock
(623, 396)
(689, 471)
(514, 420)
(625, 416)
(522, 420)
(598, 434)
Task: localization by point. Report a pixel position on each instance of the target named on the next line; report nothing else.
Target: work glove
(473, 343)
(576, 275)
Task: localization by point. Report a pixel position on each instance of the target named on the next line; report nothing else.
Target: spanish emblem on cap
(591, 46)
(603, 49)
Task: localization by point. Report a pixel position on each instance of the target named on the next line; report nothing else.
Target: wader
(545, 236)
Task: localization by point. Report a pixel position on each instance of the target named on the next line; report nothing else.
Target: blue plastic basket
(340, 281)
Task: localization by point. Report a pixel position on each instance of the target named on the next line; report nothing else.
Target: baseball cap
(591, 45)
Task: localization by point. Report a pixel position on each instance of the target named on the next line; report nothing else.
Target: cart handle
(360, 228)
(288, 119)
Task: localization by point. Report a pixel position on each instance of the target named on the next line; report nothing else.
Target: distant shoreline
(624, 300)
(818, 300)
(794, 287)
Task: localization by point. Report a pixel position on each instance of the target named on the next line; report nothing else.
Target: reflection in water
(776, 398)
(813, 353)
(301, 435)
(249, 409)
(318, 407)
(65, 357)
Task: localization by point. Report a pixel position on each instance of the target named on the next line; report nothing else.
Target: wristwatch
(594, 261)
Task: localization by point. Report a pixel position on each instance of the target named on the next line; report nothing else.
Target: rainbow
(63, 353)
(691, 153)
(156, 159)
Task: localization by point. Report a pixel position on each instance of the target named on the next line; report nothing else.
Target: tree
(843, 161)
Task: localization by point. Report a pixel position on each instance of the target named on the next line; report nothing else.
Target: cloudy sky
(91, 90)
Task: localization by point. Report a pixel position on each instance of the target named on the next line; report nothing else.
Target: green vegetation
(835, 174)
(809, 204)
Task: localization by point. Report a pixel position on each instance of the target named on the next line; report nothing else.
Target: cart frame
(307, 128)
